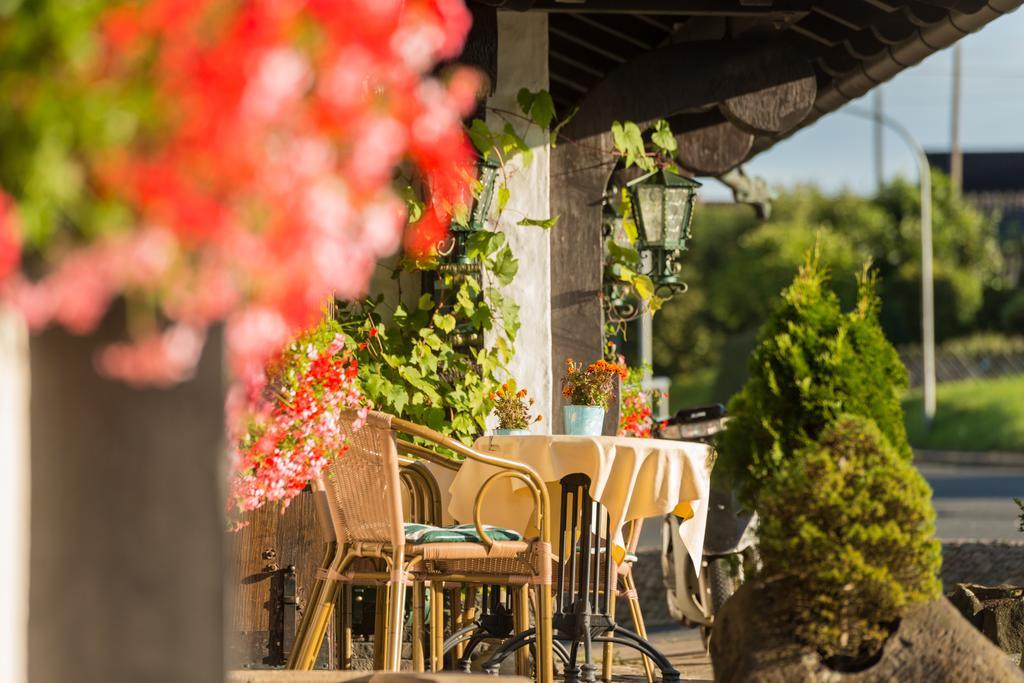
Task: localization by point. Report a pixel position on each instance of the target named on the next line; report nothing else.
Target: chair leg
(396, 614)
(456, 617)
(436, 626)
(469, 608)
(316, 617)
(609, 648)
(638, 621)
(380, 628)
(346, 628)
(521, 617)
(417, 627)
(545, 657)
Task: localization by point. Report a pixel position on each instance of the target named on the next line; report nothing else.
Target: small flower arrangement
(513, 407)
(591, 385)
(293, 431)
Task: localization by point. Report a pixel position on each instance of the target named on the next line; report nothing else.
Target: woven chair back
(364, 489)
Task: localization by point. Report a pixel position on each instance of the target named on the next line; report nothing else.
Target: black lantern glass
(662, 203)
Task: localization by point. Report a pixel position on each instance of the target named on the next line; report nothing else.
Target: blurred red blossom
(269, 186)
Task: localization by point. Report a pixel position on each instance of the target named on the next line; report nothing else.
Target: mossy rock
(932, 643)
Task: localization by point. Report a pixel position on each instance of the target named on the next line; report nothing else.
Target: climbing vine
(426, 361)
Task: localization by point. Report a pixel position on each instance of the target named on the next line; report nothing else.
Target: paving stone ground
(683, 648)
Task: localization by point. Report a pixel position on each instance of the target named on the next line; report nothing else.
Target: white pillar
(523, 63)
(14, 497)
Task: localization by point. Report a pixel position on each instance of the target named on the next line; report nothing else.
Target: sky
(837, 151)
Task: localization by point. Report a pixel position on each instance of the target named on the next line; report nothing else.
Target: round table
(631, 478)
(601, 483)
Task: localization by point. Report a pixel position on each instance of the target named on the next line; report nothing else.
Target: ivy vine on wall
(413, 359)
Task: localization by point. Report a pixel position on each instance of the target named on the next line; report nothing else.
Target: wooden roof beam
(727, 8)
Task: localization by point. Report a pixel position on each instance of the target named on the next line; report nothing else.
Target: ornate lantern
(662, 203)
(454, 262)
(453, 251)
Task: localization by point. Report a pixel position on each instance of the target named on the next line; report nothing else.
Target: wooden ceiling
(852, 45)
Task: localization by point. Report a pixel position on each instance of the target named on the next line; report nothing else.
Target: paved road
(975, 502)
(970, 502)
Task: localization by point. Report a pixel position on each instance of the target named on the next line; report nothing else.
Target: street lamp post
(927, 279)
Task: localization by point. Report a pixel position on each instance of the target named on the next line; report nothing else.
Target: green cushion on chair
(416, 534)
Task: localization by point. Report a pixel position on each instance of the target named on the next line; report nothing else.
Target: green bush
(813, 362)
(847, 529)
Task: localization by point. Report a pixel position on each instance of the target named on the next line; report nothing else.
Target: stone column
(523, 63)
(14, 497)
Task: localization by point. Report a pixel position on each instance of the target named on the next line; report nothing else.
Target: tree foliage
(813, 362)
(736, 264)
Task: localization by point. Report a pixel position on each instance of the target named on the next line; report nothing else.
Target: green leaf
(525, 99)
(622, 254)
(413, 377)
(482, 243)
(644, 287)
(445, 323)
(543, 110)
(513, 144)
(509, 311)
(426, 302)
(546, 223)
(503, 197)
(465, 301)
(537, 105)
(397, 398)
(481, 137)
(662, 137)
(629, 143)
(413, 204)
(431, 339)
(505, 266)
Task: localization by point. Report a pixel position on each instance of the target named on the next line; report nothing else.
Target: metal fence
(957, 365)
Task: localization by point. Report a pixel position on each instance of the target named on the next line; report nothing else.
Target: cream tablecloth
(632, 478)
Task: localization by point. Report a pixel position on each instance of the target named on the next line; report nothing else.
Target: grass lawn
(974, 415)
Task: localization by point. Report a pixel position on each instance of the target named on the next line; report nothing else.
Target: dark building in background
(994, 183)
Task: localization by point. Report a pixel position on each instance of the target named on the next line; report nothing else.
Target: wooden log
(776, 108)
(714, 149)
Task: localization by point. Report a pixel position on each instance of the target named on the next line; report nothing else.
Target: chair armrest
(526, 472)
(479, 501)
(424, 453)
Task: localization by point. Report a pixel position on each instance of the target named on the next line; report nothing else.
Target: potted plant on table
(587, 389)
(512, 408)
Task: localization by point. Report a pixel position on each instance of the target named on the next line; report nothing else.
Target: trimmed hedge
(848, 529)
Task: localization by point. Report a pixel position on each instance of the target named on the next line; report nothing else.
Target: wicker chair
(363, 497)
(625, 575)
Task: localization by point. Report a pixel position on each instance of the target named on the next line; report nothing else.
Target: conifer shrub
(812, 363)
(847, 533)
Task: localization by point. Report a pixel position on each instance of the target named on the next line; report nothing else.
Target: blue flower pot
(584, 420)
(511, 432)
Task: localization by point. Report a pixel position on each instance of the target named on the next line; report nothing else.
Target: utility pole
(879, 141)
(956, 157)
(927, 276)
